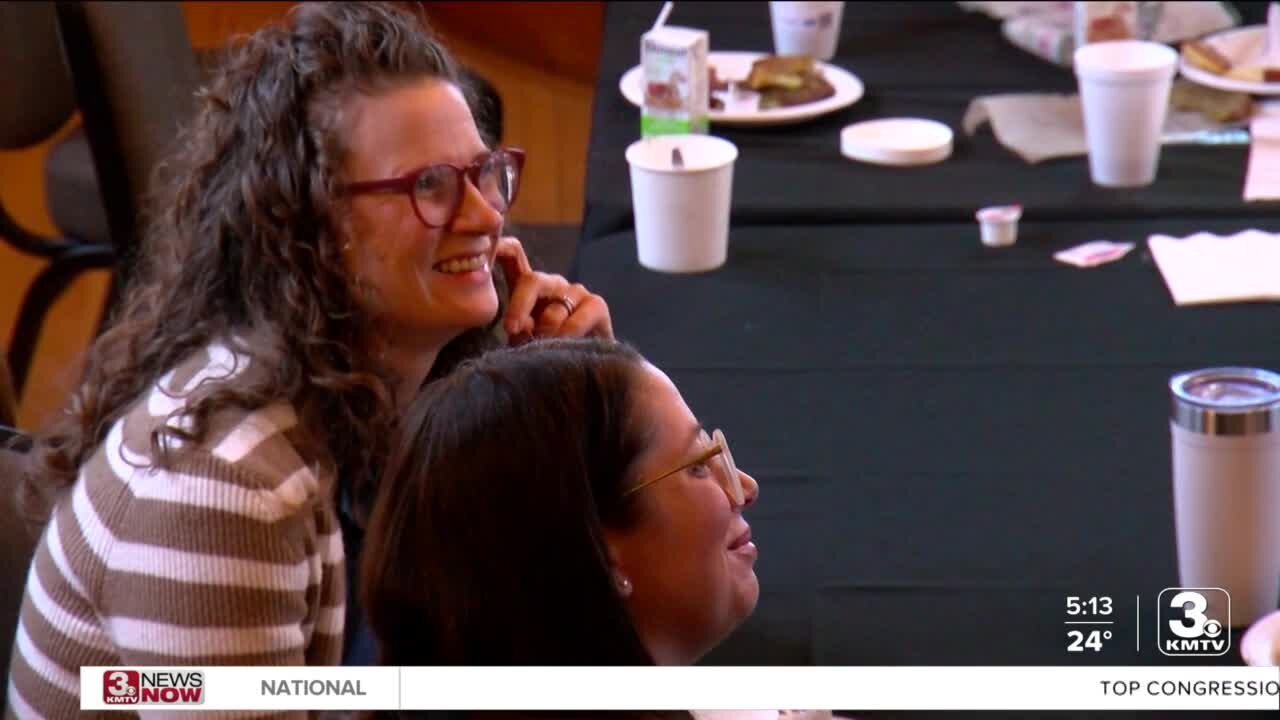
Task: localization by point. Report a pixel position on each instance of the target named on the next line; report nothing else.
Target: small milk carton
(676, 92)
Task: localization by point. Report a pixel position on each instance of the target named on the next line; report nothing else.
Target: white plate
(1242, 46)
(736, 66)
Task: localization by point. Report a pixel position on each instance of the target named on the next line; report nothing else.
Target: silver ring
(566, 302)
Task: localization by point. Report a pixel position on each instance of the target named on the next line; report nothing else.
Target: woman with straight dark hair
(557, 504)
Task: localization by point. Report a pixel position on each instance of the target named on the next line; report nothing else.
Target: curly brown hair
(244, 241)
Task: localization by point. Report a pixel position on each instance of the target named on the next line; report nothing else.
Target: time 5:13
(1095, 605)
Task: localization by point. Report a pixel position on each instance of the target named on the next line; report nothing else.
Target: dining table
(951, 440)
(915, 59)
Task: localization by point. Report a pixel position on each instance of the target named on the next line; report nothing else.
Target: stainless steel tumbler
(1226, 485)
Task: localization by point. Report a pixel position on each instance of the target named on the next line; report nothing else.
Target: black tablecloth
(916, 60)
(890, 45)
(940, 430)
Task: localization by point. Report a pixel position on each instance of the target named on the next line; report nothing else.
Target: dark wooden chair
(36, 101)
(17, 543)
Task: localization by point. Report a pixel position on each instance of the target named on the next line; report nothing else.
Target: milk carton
(676, 92)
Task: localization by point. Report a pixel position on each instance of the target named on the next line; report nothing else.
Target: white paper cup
(682, 214)
(1124, 92)
(806, 28)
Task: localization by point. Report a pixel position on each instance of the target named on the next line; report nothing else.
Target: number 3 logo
(1194, 614)
(121, 686)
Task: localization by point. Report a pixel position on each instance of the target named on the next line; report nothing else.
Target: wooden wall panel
(210, 24)
(559, 38)
(550, 117)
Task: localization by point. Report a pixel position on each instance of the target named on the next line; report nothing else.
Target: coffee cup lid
(897, 141)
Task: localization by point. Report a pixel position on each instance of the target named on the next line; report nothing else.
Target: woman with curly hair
(327, 239)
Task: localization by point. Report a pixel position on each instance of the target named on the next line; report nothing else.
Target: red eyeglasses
(436, 191)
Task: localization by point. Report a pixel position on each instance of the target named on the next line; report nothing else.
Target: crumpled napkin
(1042, 126)
(1047, 29)
(1036, 126)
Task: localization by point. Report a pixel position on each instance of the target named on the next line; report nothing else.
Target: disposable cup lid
(897, 141)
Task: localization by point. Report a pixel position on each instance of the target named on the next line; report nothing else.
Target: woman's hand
(545, 305)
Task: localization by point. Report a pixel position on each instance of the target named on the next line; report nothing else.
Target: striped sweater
(232, 557)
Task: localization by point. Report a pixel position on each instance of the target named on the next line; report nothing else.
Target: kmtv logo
(134, 687)
(1194, 622)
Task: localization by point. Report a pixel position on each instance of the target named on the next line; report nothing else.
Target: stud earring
(624, 585)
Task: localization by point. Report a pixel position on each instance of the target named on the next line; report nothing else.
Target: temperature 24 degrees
(1089, 621)
(1081, 640)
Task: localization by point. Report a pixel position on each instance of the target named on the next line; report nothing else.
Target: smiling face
(428, 284)
(688, 556)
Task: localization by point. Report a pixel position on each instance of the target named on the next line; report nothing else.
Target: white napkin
(1205, 268)
(1040, 126)
(1262, 181)
(1035, 126)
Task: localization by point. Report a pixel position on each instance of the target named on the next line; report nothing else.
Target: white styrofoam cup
(1124, 93)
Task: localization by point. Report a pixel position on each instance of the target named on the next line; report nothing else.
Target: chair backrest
(135, 74)
(8, 398)
(36, 98)
(16, 548)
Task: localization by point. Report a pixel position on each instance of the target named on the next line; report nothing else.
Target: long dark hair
(245, 240)
(486, 543)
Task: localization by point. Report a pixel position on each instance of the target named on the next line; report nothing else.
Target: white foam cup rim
(1124, 61)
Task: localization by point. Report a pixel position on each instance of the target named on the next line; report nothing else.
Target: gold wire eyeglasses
(729, 478)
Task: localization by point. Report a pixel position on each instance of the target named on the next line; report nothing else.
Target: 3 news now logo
(152, 687)
(1194, 622)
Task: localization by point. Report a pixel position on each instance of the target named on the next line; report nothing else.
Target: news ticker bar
(683, 688)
